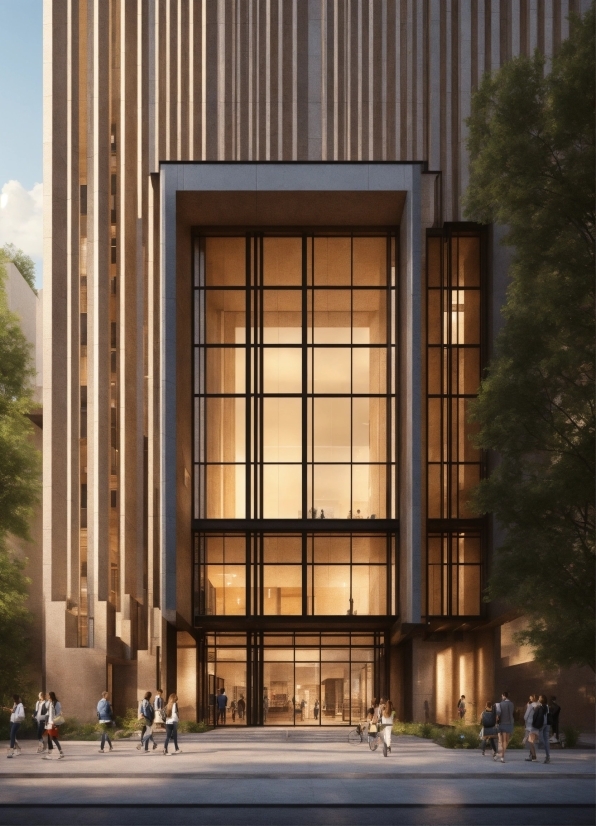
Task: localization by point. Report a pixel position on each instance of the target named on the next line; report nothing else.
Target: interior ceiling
(290, 209)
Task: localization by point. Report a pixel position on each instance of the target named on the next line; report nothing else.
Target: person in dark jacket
(488, 720)
(554, 709)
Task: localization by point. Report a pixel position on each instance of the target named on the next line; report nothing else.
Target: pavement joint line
(397, 775)
(377, 805)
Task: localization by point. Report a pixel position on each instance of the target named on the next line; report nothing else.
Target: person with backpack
(506, 724)
(490, 732)
(17, 715)
(55, 719)
(147, 714)
(544, 729)
(40, 715)
(104, 715)
(172, 720)
(536, 720)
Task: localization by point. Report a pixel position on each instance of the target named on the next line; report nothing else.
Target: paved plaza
(281, 776)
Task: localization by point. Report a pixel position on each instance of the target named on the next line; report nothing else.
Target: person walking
(222, 705)
(241, 707)
(17, 715)
(233, 709)
(387, 718)
(488, 721)
(506, 724)
(40, 715)
(55, 719)
(104, 715)
(530, 735)
(148, 715)
(461, 707)
(544, 731)
(172, 720)
(554, 710)
(316, 709)
(158, 706)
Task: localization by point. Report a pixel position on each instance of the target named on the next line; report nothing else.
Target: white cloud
(21, 221)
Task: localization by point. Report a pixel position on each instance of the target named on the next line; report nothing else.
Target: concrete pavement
(293, 776)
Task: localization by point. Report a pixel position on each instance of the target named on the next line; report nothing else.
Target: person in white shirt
(17, 715)
(172, 720)
(40, 716)
(54, 713)
(387, 714)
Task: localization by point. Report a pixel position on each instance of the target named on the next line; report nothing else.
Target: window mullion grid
(261, 357)
(247, 379)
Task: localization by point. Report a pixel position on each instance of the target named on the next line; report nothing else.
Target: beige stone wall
(128, 85)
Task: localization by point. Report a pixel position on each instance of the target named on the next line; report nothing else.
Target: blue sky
(21, 151)
(21, 91)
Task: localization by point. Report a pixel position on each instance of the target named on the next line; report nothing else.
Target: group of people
(47, 717)
(498, 723)
(380, 717)
(236, 707)
(539, 718)
(156, 714)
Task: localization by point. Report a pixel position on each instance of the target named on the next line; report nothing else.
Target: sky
(21, 152)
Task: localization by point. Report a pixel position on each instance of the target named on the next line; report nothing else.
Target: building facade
(265, 317)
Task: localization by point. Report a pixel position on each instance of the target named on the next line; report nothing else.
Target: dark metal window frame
(451, 524)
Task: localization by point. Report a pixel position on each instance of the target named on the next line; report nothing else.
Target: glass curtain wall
(455, 465)
(301, 679)
(307, 574)
(294, 376)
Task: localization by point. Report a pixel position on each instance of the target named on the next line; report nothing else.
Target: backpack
(149, 712)
(538, 717)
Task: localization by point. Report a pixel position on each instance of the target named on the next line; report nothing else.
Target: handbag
(58, 720)
(373, 729)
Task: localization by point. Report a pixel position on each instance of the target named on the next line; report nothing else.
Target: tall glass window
(454, 363)
(295, 377)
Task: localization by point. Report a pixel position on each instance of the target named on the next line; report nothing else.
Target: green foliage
(14, 625)
(20, 462)
(571, 736)
(532, 150)
(192, 727)
(22, 261)
(72, 729)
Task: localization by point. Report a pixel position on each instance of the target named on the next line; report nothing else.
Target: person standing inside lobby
(222, 705)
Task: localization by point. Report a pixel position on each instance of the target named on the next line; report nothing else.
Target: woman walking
(104, 715)
(530, 736)
(40, 716)
(506, 724)
(387, 713)
(488, 720)
(17, 715)
(55, 719)
(172, 720)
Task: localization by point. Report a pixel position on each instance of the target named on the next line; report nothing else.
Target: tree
(23, 262)
(532, 149)
(19, 488)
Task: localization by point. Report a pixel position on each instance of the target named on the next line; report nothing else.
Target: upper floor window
(295, 369)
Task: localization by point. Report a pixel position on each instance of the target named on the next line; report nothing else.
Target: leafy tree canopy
(19, 490)
(23, 262)
(19, 460)
(532, 151)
